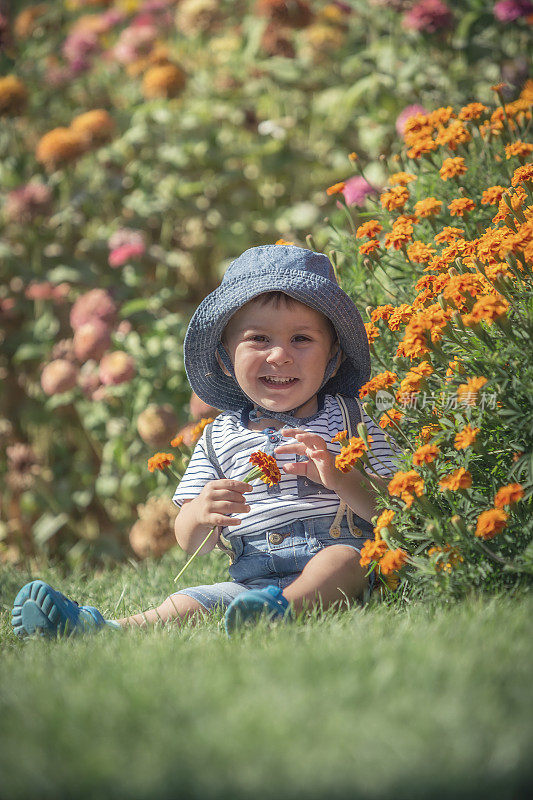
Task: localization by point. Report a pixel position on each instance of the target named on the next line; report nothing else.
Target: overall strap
(352, 415)
(212, 456)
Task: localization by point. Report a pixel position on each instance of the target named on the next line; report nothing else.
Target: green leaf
(63, 273)
(47, 525)
(133, 306)
(29, 352)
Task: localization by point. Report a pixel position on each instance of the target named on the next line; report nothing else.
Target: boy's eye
(257, 337)
(301, 338)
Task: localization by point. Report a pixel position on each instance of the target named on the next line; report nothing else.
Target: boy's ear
(222, 366)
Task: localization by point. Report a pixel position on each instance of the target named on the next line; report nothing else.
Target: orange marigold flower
(341, 436)
(420, 252)
(519, 149)
(454, 135)
(461, 206)
(395, 198)
(451, 167)
(511, 493)
(268, 469)
(425, 454)
(467, 392)
(491, 522)
(336, 188)
(392, 415)
(351, 453)
(465, 437)
(498, 86)
(472, 111)
(381, 312)
(369, 247)
(421, 146)
(371, 331)
(401, 178)
(96, 127)
(492, 195)
(428, 207)
(454, 557)
(458, 479)
(13, 96)
(522, 174)
(381, 381)
(401, 314)
(384, 519)
(441, 116)
(487, 308)
(59, 146)
(160, 461)
(406, 482)
(163, 80)
(353, 157)
(369, 228)
(392, 561)
(427, 431)
(284, 241)
(199, 428)
(177, 441)
(372, 551)
(449, 234)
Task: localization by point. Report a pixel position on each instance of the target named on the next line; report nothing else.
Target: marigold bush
(450, 328)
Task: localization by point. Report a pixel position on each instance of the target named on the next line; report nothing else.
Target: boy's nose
(278, 355)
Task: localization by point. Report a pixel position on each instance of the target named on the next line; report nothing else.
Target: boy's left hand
(320, 466)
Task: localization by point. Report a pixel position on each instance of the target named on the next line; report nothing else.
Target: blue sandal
(39, 608)
(252, 604)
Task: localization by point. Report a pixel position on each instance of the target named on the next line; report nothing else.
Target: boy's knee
(180, 606)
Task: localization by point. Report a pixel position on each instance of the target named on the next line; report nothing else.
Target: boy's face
(279, 353)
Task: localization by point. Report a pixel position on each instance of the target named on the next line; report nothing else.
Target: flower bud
(117, 367)
(91, 340)
(58, 376)
(157, 425)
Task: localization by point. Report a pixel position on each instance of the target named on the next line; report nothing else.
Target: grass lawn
(427, 702)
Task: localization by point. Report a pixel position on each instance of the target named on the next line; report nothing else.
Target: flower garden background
(143, 145)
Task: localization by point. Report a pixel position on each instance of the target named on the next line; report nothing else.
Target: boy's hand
(218, 499)
(320, 466)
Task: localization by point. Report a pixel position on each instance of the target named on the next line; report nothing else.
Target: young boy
(277, 346)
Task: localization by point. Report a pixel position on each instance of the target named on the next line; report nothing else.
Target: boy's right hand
(220, 498)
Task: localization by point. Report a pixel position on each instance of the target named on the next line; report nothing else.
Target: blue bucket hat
(303, 275)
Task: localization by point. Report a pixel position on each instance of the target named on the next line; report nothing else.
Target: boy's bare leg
(174, 609)
(331, 576)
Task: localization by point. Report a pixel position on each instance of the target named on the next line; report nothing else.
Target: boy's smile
(280, 352)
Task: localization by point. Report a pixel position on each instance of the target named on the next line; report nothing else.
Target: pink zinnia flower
(27, 202)
(117, 367)
(58, 376)
(121, 255)
(428, 16)
(403, 116)
(77, 48)
(91, 340)
(134, 42)
(125, 236)
(95, 303)
(509, 10)
(356, 189)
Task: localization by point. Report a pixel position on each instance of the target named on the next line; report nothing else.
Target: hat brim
(212, 315)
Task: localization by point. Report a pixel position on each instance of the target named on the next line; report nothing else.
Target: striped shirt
(234, 443)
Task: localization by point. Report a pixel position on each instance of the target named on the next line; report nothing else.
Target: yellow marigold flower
(511, 493)
(451, 167)
(351, 453)
(384, 519)
(428, 207)
(369, 228)
(401, 178)
(492, 195)
(13, 96)
(341, 436)
(487, 308)
(519, 149)
(420, 252)
(491, 522)
(522, 174)
(337, 188)
(461, 206)
(465, 437)
(458, 479)
(381, 312)
(392, 415)
(371, 331)
(369, 247)
(59, 146)
(372, 551)
(381, 381)
(95, 127)
(472, 111)
(160, 461)
(199, 428)
(392, 561)
(425, 454)
(163, 80)
(449, 234)
(284, 241)
(394, 198)
(470, 389)
(177, 441)
(269, 471)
